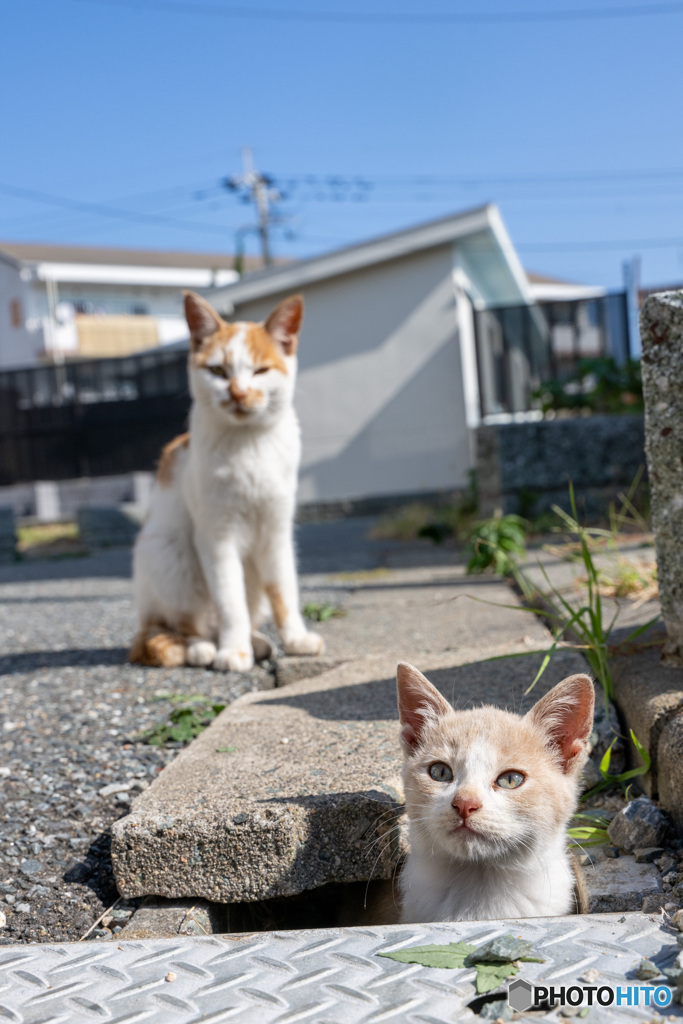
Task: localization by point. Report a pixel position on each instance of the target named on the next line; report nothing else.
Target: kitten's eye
(261, 369)
(510, 780)
(440, 772)
(217, 371)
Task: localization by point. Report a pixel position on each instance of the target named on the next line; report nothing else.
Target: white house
(388, 387)
(63, 301)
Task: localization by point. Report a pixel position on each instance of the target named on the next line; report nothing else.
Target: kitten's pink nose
(466, 805)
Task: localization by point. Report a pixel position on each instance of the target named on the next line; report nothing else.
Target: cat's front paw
(200, 652)
(231, 659)
(307, 643)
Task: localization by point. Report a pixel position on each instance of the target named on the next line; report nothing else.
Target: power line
(103, 210)
(382, 18)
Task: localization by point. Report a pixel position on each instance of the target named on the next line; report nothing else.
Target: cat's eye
(261, 369)
(440, 772)
(217, 371)
(510, 780)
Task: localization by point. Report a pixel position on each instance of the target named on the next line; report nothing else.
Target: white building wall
(380, 394)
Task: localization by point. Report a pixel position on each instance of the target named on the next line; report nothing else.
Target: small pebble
(170, 976)
(646, 970)
(611, 851)
(586, 859)
(677, 920)
(23, 908)
(3, 920)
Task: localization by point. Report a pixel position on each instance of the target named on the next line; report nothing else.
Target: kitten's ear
(202, 319)
(565, 714)
(284, 323)
(418, 703)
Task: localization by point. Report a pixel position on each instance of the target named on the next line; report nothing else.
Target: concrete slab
(414, 612)
(621, 884)
(290, 790)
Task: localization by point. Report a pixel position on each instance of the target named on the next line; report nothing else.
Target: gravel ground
(70, 711)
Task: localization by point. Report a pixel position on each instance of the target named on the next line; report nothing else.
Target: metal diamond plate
(326, 976)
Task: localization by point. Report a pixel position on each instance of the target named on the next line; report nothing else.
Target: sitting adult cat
(216, 553)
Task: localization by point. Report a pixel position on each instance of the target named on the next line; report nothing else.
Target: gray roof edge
(355, 257)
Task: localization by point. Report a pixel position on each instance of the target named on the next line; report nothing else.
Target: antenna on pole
(256, 188)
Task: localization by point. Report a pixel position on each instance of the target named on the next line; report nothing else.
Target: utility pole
(257, 188)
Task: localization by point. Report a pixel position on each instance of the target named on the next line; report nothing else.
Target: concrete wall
(526, 467)
(380, 394)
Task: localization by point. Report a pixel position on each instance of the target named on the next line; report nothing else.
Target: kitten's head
(243, 372)
(486, 784)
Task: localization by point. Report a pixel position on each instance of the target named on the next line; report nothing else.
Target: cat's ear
(284, 323)
(202, 319)
(418, 703)
(565, 714)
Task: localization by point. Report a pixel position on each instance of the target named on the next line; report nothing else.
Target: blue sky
(121, 117)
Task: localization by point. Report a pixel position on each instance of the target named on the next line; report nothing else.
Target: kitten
(217, 547)
(488, 798)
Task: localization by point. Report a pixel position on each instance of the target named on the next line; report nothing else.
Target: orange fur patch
(279, 607)
(158, 647)
(263, 349)
(168, 457)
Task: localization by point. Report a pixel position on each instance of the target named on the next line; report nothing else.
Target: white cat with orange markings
(216, 551)
(489, 795)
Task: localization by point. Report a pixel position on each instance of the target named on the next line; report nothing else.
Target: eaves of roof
(343, 261)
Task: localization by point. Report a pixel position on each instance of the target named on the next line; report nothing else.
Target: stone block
(8, 538)
(670, 769)
(661, 329)
(102, 527)
(648, 693)
(621, 884)
(640, 824)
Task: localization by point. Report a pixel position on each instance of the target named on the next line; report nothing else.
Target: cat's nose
(466, 805)
(236, 391)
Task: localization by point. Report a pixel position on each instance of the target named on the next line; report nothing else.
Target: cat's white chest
(434, 890)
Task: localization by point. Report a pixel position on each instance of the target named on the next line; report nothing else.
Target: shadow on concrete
(344, 545)
(111, 563)
(501, 682)
(29, 661)
(63, 598)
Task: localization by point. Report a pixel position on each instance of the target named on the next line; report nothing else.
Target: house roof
(481, 230)
(39, 252)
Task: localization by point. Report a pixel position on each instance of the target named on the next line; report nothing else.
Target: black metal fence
(520, 346)
(93, 418)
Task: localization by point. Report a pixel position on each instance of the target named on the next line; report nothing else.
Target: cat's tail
(158, 646)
